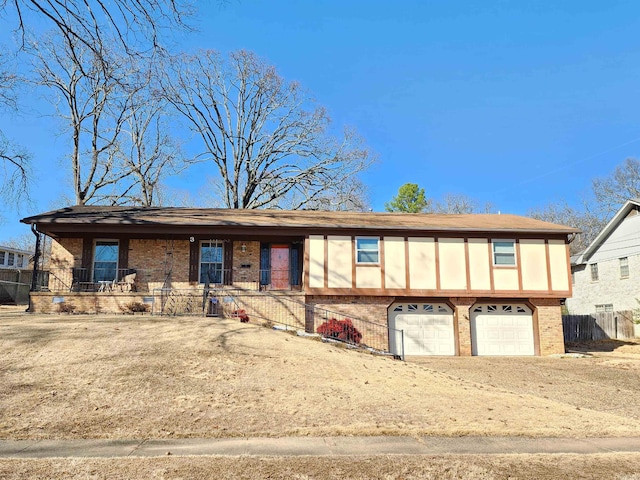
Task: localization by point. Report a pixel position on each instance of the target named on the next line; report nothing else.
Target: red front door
(280, 267)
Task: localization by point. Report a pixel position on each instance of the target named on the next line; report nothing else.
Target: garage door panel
(428, 328)
(502, 330)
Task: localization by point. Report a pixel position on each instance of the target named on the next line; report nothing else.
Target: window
(11, 259)
(105, 260)
(504, 252)
(594, 272)
(211, 255)
(367, 250)
(20, 263)
(624, 267)
(604, 308)
(2, 257)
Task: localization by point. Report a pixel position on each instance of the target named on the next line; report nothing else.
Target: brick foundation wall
(370, 309)
(549, 314)
(42, 302)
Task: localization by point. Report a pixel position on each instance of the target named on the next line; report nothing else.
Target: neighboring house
(605, 275)
(14, 258)
(454, 284)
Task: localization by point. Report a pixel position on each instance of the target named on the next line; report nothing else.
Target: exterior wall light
(243, 247)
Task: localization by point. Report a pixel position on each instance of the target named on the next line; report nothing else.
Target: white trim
(493, 252)
(377, 239)
(93, 256)
(210, 241)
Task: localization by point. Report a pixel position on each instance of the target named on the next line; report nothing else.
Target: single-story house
(14, 258)
(477, 284)
(605, 275)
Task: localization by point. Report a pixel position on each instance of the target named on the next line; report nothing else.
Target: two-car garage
(430, 329)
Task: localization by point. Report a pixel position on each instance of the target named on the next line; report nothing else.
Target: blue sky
(516, 103)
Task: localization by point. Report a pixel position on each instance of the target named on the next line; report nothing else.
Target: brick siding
(549, 325)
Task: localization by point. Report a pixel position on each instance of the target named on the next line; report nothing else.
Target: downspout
(36, 260)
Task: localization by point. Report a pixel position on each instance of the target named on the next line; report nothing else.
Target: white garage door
(427, 328)
(502, 329)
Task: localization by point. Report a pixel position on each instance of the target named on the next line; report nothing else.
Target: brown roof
(91, 218)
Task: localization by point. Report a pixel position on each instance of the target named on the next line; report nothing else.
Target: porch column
(462, 320)
(548, 317)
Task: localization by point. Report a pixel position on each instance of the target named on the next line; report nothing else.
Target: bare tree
(350, 196)
(15, 172)
(584, 219)
(613, 191)
(88, 94)
(459, 203)
(268, 140)
(135, 25)
(147, 149)
(14, 160)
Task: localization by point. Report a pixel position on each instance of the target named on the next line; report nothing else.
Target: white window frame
(359, 249)
(494, 253)
(3, 257)
(593, 270)
(93, 263)
(200, 262)
(11, 259)
(624, 267)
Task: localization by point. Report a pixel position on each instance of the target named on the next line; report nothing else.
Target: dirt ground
(383, 467)
(70, 377)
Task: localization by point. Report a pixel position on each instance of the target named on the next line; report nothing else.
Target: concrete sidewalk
(322, 446)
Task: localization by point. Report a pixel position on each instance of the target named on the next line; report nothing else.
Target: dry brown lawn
(120, 377)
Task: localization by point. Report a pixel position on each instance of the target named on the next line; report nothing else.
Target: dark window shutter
(265, 267)
(227, 274)
(87, 252)
(194, 257)
(294, 263)
(123, 255)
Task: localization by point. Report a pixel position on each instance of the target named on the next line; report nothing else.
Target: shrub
(340, 330)
(241, 314)
(135, 307)
(66, 308)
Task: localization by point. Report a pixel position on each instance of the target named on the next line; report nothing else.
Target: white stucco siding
(609, 289)
(559, 268)
(453, 267)
(340, 256)
(533, 258)
(479, 264)
(316, 261)
(505, 279)
(422, 263)
(395, 271)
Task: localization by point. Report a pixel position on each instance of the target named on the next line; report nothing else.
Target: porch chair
(128, 283)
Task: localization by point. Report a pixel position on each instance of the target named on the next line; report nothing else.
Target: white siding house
(14, 258)
(606, 275)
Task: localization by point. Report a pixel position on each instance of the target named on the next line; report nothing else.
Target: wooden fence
(598, 326)
(14, 286)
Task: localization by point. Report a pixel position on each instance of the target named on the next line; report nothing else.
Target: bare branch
(268, 140)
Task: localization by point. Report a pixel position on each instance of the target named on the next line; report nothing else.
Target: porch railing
(146, 280)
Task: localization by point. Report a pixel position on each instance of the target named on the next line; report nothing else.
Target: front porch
(132, 265)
